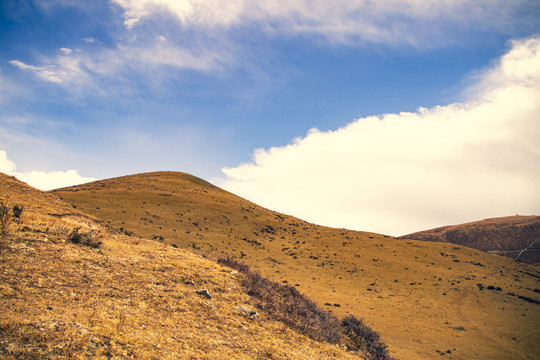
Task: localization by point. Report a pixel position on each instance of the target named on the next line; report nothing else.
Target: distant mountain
(426, 299)
(517, 237)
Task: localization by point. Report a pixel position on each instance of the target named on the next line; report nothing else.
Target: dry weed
(5, 218)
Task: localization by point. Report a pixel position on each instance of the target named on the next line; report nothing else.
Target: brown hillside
(129, 298)
(517, 237)
(428, 300)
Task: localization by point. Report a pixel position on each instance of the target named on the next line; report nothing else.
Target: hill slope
(426, 299)
(517, 237)
(127, 298)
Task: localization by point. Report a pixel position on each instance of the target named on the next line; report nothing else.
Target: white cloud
(399, 173)
(208, 35)
(6, 166)
(40, 179)
(79, 71)
(416, 22)
(46, 73)
(67, 68)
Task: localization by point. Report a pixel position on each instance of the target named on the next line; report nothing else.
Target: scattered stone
(252, 314)
(204, 292)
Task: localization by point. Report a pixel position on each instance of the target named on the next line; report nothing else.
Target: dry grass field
(427, 300)
(123, 297)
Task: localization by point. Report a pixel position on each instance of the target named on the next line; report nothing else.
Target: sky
(387, 116)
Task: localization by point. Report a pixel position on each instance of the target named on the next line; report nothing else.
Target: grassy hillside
(517, 237)
(428, 300)
(123, 297)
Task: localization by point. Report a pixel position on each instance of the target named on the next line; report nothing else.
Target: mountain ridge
(517, 237)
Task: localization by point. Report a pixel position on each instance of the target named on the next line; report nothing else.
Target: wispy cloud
(210, 35)
(399, 173)
(40, 179)
(68, 67)
(104, 69)
(419, 23)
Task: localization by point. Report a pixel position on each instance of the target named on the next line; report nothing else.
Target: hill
(95, 294)
(427, 300)
(517, 237)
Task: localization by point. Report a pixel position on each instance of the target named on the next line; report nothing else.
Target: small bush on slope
(289, 306)
(362, 337)
(5, 218)
(17, 211)
(90, 239)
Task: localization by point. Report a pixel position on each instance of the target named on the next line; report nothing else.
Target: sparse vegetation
(9, 215)
(361, 337)
(5, 219)
(17, 211)
(408, 318)
(288, 305)
(133, 299)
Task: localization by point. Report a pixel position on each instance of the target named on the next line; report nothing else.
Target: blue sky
(107, 88)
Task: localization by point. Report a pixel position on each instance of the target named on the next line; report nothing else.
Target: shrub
(91, 238)
(17, 211)
(361, 337)
(5, 218)
(286, 304)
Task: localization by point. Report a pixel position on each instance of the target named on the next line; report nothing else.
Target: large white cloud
(40, 179)
(399, 173)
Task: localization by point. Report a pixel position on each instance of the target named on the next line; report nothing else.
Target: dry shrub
(91, 238)
(286, 304)
(17, 211)
(5, 218)
(362, 338)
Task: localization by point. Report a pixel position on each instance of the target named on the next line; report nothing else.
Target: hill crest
(420, 296)
(124, 297)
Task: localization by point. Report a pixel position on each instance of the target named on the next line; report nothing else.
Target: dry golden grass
(423, 298)
(129, 298)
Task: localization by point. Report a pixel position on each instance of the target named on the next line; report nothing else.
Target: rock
(204, 292)
(252, 314)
